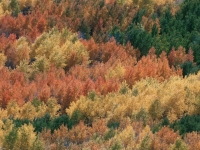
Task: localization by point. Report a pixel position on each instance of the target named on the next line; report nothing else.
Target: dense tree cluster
(99, 74)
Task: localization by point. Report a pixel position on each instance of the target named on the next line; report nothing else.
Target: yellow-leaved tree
(62, 49)
(53, 107)
(145, 139)
(179, 144)
(5, 7)
(27, 111)
(25, 137)
(22, 50)
(31, 110)
(13, 110)
(115, 72)
(125, 138)
(3, 59)
(6, 130)
(1, 133)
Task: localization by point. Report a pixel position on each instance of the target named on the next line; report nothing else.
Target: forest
(99, 74)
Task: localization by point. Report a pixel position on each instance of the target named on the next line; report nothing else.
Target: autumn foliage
(99, 74)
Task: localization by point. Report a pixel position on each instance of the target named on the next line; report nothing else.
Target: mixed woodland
(99, 74)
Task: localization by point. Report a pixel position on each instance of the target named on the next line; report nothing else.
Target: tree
(179, 145)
